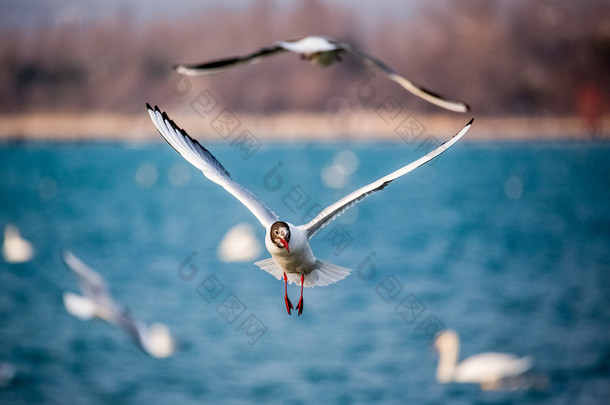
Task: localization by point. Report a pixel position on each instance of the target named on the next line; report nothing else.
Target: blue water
(507, 243)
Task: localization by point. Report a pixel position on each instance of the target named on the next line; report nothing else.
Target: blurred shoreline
(352, 125)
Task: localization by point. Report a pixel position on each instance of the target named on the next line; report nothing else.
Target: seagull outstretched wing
(202, 159)
(419, 91)
(333, 211)
(220, 65)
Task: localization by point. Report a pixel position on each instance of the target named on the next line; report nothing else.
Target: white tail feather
(323, 274)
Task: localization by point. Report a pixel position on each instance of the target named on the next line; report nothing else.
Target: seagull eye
(276, 232)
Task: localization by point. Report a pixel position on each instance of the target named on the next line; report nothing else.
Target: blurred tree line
(502, 57)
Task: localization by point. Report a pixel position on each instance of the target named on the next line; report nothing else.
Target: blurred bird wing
(91, 283)
(221, 65)
(331, 212)
(201, 158)
(305, 45)
(136, 329)
(419, 91)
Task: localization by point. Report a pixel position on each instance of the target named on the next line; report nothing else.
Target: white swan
(490, 370)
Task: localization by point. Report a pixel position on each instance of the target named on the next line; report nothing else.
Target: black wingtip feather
(182, 132)
(172, 123)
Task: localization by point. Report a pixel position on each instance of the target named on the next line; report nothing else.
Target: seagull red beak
(285, 244)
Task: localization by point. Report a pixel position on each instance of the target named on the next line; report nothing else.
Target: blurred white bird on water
(8, 371)
(240, 244)
(15, 249)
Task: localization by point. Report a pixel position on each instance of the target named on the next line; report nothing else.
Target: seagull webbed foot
(289, 304)
(286, 299)
(300, 304)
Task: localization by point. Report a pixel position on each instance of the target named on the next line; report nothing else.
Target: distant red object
(590, 105)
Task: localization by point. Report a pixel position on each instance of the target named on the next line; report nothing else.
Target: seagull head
(280, 235)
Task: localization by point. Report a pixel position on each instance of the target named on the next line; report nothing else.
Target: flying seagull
(320, 51)
(291, 255)
(491, 370)
(96, 301)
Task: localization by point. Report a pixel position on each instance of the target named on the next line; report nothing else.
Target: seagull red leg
(300, 304)
(288, 303)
